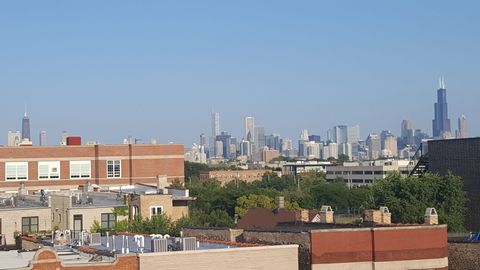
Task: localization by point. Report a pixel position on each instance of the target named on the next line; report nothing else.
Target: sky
(156, 69)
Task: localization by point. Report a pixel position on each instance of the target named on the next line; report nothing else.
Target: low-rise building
(305, 166)
(225, 177)
(365, 172)
(58, 168)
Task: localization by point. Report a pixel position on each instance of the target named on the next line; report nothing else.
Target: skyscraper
(43, 138)
(441, 122)
(249, 129)
(14, 138)
(203, 139)
(406, 126)
(25, 126)
(215, 132)
(374, 146)
(462, 127)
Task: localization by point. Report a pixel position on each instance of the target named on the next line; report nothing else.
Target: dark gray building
(462, 158)
(441, 122)
(26, 127)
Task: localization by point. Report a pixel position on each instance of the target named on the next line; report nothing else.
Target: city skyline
(290, 66)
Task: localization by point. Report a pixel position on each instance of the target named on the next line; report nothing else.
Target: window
(29, 224)
(16, 170)
(80, 169)
(49, 170)
(108, 221)
(113, 168)
(155, 210)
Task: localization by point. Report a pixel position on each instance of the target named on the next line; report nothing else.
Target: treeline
(406, 197)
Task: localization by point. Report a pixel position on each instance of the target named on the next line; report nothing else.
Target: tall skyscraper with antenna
(441, 122)
(26, 126)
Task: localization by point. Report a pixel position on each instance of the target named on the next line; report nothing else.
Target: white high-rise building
(462, 127)
(304, 135)
(330, 151)
(374, 146)
(14, 138)
(43, 138)
(390, 147)
(249, 129)
(214, 133)
(345, 149)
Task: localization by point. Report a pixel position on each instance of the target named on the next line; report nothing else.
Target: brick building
(225, 177)
(67, 167)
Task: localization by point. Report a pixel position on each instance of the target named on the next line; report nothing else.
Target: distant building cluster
(342, 142)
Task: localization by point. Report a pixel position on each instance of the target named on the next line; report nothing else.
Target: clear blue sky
(107, 69)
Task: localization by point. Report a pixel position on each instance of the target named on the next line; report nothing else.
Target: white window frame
(114, 175)
(16, 164)
(156, 207)
(50, 174)
(81, 174)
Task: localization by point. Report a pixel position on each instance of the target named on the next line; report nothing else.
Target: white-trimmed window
(16, 171)
(80, 169)
(155, 210)
(114, 168)
(48, 170)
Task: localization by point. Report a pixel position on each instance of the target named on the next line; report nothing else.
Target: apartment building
(67, 167)
(228, 176)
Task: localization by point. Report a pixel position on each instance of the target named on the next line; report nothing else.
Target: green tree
(408, 197)
(251, 201)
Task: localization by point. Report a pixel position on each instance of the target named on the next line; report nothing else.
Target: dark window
(29, 224)
(108, 221)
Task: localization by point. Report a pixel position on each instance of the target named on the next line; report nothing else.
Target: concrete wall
(302, 239)
(89, 215)
(220, 234)
(12, 220)
(259, 258)
(144, 202)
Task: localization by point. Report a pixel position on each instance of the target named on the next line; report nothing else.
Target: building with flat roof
(225, 177)
(304, 166)
(366, 172)
(461, 157)
(145, 252)
(67, 167)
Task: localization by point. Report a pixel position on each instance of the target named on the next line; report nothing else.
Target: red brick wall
(46, 259)
(379, 244)
(139, 163)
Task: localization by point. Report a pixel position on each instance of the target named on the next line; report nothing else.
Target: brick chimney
(326, 214)
(162, 183)
(381, 216)
(280, 200)
(431, 216)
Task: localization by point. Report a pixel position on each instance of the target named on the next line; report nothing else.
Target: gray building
(441, 122)
(26, 127)
(374, 146)
(42, 138)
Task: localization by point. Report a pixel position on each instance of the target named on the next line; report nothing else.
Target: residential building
(366, 172)
(441, 122)
(67, 167)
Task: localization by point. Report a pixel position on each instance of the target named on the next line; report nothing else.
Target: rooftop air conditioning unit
(189, 243)
(159, 245)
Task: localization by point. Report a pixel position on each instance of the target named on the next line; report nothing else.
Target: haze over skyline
(106, 70)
